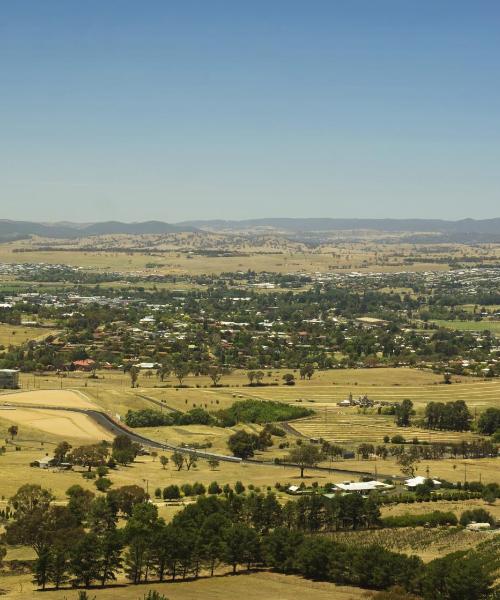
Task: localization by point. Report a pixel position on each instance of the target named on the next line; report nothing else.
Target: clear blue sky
(231, 109)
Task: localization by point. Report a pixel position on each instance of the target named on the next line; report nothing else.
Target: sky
(226, 109)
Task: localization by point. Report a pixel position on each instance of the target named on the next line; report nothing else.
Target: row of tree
(81, 543)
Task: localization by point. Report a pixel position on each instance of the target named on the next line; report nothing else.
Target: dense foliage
(260, 411)
(81, 544)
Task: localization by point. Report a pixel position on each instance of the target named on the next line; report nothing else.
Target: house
(86, 364)
(44, 462)
(9, 379)
(359, 487)
(147, 365)
(412, 483)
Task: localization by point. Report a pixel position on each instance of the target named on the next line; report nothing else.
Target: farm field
(456, 507)
(329, 387)
(15, 335)
(343, 425)
(253, 586)
(352, 426)
(427, 543)
(54, 397)
(284, 258)
(66, 424)
(493, 326)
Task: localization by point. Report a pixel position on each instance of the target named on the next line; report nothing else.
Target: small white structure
(45, 462)
(412, 483)
(478, 526)
(361, 487)
(147, 365)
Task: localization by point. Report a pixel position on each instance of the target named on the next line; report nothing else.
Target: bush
(397, 439)
(103, 484)
(260, 411)
(477, 515)
(432, 519)
(171, 492)
(154, 418)
(214, 488)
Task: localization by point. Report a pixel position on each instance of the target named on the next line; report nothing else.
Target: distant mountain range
(19, 229)
(490, 226)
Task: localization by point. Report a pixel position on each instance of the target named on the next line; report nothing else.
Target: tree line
(81, 544)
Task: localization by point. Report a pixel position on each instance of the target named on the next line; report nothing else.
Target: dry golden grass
(66, 424)
(253, 586)
(15, 335)
(54, 397)
(456, 507)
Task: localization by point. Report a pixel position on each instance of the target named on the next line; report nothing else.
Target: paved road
(116, 427)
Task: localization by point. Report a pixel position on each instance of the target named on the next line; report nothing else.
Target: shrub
(478, 515)
(432, 519)
(260, 411)
(171, 492)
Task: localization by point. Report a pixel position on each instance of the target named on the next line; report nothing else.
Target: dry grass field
(253, 586)
(427, 543)
(493, 326)
(178, 255)
(53, 398)
(69, 425)
(15, 335)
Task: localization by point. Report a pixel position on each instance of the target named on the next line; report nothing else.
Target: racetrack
(67, 424)
(55, 398)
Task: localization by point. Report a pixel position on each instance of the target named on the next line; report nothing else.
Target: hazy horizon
(115, 111)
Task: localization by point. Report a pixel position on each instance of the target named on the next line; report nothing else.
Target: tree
(79, 502)
(134, 375)
(457, 576)
(138, 532)
(190, 460)
(307, 371)
(181, 371)
(164, 370)
(489, 421)
(365, 450)
(241, 545)
(403, 412)
(61, 451)
(280, 549)
(13, 431)
(178, 460)
(164, 461)
(243, 444)
(124, 450)
(85, 555)
(305, 455)
(110, 561)
(407, 462)
(213, 463)
(215, 373)
(214, 488)
(90, 456)
(478, 515)
(30, 497)
(239, 488)
(289, 379)
(125, 498)
(171, 492)
(259, 376)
